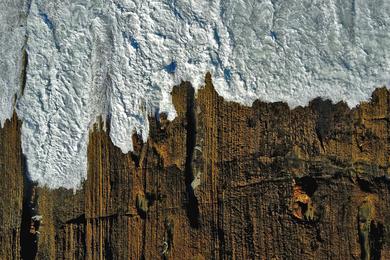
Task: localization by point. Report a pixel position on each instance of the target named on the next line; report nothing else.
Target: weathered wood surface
(221, 181)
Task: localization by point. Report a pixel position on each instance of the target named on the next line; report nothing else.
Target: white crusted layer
(12, 39)
(121, 58)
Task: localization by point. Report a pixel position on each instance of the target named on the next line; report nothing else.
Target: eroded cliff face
(12, 191)
(221, 181)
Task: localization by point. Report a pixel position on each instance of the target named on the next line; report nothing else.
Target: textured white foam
(121, 58)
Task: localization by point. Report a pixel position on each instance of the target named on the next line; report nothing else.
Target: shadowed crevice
(376, 240)
(192, 205)
(29, 228)
(23, 73)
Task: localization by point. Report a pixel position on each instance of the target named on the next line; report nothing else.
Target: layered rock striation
(220, 181)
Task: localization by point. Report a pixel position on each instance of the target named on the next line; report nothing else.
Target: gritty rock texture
(11, 189)
(225, 181)
(76, 60)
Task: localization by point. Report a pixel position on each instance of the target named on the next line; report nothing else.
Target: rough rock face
(11, 189)
(221, 181)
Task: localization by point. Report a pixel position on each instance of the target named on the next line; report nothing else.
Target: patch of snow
(37, 218)
(197, 180)
(121, 58)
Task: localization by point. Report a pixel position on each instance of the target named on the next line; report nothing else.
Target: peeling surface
(121, 58)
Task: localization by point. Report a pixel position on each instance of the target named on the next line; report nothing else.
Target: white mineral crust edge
(121, 59)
